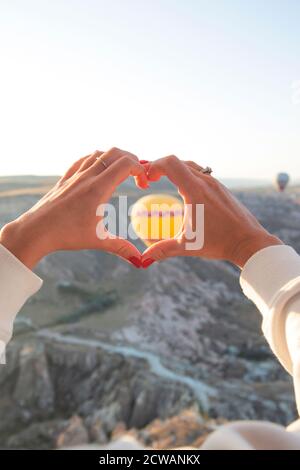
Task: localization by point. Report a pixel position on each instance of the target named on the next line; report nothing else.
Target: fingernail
(144, 161)
(135, 261)
(147, 262)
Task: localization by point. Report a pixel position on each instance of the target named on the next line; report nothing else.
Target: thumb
(161, 250)
(124, 249)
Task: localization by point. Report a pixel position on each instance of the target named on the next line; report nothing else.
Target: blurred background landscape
(164, 354)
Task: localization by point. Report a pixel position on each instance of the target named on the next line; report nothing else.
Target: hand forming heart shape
(229, 231)
(65, 218)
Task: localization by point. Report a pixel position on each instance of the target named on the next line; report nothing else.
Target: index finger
(118, 171)
(114, 155)
(176, 170)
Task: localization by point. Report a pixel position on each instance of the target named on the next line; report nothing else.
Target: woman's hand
(231, 232)
(65, 218)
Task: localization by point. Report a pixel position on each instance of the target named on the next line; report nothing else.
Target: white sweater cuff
(270, 278)
(17, 284)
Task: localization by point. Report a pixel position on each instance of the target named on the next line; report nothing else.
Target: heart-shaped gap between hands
(186, 177)
(114, 167)
(181, 175)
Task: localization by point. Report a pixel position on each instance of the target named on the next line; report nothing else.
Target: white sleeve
(17, 284)
(271, 279)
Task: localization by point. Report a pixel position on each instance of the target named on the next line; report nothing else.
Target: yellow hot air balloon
(157, 217)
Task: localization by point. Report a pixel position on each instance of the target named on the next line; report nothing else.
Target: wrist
(250, 245)
(21, 238)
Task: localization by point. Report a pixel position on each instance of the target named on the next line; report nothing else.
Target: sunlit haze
(213, 81)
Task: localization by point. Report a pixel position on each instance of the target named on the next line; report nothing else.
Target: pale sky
(207, 80)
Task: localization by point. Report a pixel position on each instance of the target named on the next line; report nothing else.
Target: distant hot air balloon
(281, 181)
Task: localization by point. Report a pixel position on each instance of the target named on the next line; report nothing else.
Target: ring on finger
(207, 170)
(102, 162)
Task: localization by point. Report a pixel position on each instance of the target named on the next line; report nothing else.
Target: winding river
(201, 391)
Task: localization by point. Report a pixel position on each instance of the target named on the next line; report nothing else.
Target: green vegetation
(92, 302)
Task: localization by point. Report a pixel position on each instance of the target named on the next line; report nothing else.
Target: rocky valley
(166, 354)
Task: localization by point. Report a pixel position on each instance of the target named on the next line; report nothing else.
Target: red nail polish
(144, 161)
(147, 263)
(135, 261)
